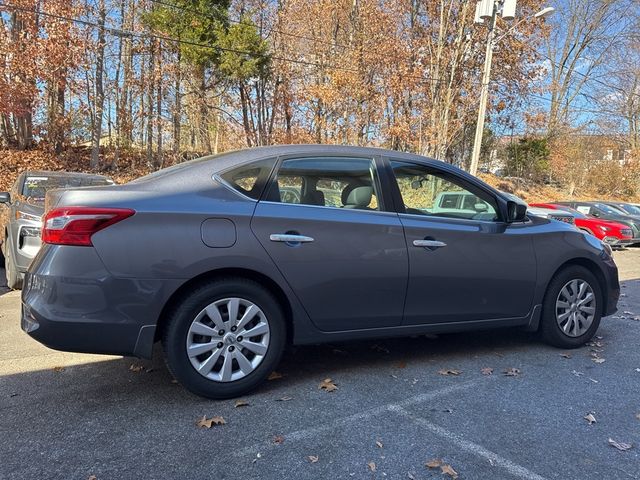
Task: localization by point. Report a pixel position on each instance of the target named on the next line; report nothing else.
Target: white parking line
(473, 448)
(313, 431)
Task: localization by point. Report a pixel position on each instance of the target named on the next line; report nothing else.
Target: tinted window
(327, 182)
(249, 179)
(428, 192)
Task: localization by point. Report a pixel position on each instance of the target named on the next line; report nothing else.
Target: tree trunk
(96, 134)
(177, 108)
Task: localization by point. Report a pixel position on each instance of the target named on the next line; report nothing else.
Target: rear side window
(249, 179)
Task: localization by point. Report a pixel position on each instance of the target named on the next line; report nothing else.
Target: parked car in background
(627, 208)
(21, 216)
(606, 212)
(207, 258)
(614, 233)
(552, 214)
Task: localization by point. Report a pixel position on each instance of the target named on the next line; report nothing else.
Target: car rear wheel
(572, 308)
(224, 338)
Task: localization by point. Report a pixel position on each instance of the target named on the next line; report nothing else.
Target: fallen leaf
(136, 368)
(565, 355)
(313, 458)
(627, 313)
(638, 416)
(278, 439)
(448, 470)
(379, 444)
(327, 385)
(410, 476)
(450, 371)
(241, 403)
(511, 372)
(285, 399)
(401, 364)
(619, 445)
(590, 418)
(274, 376)
(576, 373)
(205, 422)
(448, 410)
(372, 466)
(92, 477)
(598, 360)
(58, 369)
(435, 463)
(487, 371)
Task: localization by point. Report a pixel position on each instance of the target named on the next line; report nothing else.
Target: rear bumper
(74, 304)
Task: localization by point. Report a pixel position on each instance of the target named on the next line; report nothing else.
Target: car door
(341, 252)
(465, 265)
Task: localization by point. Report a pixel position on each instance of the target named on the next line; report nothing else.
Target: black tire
(180, 319)
(14, 279)
(550, 330)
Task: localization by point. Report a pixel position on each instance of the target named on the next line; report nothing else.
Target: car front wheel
(224, 338)
(572, 308)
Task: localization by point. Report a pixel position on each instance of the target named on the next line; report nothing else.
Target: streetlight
(488, 10)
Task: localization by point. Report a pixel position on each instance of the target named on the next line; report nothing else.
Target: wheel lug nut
(233, 329)
(220, 344)
(240, 339)
(220, 332)
(231, 348)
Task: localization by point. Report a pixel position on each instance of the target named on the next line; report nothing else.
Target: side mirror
(5, 197)
(480, 207)
(516, 212)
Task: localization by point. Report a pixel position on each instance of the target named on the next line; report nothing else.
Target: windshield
(630, 209)
(610, 210)
(36, 186)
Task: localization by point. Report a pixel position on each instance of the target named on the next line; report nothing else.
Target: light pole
(488, 10)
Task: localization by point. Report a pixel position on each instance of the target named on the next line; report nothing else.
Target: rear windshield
(36, 186)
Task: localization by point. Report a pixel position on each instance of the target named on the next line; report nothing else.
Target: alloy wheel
(575, 307)
(228, 339)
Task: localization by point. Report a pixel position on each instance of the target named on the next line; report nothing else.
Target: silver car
(228, 259)
(21, 212)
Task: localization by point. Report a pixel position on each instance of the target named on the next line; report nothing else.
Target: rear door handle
(429, 243)
(289, 238)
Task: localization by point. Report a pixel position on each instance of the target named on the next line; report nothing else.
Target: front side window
(426, 191)
(335, 182)
(249, 179)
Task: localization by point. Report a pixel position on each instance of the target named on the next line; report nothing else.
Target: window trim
(379, 186)
(261, 182)
(462, 182)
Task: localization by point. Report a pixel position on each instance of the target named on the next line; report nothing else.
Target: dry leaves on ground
(565, 355)
(285, 399)
(620, 445)
(327, 385)
(92, 477)
(313, 458)
(590, 418)
(278, 439)
(511, 372)
(274, 376)
(449, 371)
(135, 368)
(486, 371)
(372, 466)
(241, 403)
(205, 422)
(379, 444)
(445, 468)
(58, 369)
(638, 416)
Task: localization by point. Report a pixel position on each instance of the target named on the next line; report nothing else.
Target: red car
(613, 233)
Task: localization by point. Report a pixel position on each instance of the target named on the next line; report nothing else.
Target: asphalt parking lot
(71, 416)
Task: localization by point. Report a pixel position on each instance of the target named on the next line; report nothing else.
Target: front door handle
(429, 243)
(289, 238)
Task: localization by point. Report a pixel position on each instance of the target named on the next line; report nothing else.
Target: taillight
(76, 225)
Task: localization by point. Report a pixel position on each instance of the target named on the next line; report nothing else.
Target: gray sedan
(228, 259)
(21, 213)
